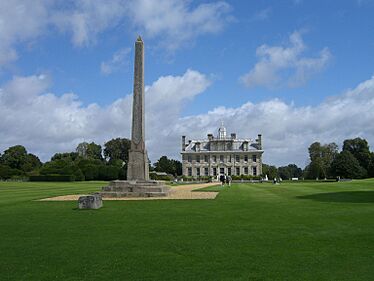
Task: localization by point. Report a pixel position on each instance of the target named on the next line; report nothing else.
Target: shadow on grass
(344, 197)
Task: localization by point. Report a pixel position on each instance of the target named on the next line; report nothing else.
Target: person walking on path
(228, 180)
(222, 179)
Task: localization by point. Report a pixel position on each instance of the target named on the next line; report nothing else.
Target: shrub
(52, 178)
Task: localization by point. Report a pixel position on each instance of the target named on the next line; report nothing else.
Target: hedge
(52, 178)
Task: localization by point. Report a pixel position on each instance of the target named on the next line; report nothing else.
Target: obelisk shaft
(138, 160)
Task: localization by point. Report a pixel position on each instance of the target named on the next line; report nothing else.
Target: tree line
(90, 161)
(354, 161)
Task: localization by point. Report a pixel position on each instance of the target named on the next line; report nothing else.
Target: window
(198, 172)
(189, 158)
(245, 158)
(214, 158)
(237, 158)
(238, 171)
(229, 159)
(222, 171)
(190, 172)
(206, 158)
(221, 158)
(254, 158)
(254, 169)
(229, 171)
(206, 171)
(197, 158)
(214, 171)
(245, 170)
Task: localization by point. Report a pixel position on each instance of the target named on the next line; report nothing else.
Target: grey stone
(138, 183)
(137, 168)
(93, 201)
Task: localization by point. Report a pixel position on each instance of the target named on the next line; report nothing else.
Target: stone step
(133, 194)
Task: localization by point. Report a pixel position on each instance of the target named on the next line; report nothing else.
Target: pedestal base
(136, 188)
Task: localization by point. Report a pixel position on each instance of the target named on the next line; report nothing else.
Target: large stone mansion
(222, 155)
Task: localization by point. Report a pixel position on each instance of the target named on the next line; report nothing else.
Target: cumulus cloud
(85, 19)
(20, 21)
(118, 59)
(176, 22)
(46, 123)
(173, 22)
(285, 65)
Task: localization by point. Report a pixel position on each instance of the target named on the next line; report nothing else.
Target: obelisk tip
(139, 39)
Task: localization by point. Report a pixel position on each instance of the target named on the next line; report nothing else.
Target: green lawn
(292, 231)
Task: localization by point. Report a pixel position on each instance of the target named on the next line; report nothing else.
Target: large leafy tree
(270, 171)
(16, 157)
(169, 166)
(347, 166)
(321, 157)
(89, 150)
(360, 150)
(290, 171)
(117, 149)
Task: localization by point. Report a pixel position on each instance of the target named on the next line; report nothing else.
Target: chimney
(183, 143)
(233, 136)
(259, 141)
(210, 137)
(197, 146)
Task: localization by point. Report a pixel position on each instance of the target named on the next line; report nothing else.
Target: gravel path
(176, 192)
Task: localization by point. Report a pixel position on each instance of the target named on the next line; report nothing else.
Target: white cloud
(176, 22)
(173, 22)
(263, 14)
(118, 59)
(85, 19)
(279, 65)
(20, 21)
(46, 123)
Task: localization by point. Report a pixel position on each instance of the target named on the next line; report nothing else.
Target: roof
(226, 144)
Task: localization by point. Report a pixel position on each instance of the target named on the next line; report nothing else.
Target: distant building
(222, 155)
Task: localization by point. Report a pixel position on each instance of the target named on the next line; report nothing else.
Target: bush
(6, 172)
(154, 176)
(109, 172)
(52, 178)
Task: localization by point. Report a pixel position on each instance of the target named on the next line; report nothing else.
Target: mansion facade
(219, 155)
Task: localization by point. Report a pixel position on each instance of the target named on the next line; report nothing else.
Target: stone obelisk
(137, 183)
(137, 168)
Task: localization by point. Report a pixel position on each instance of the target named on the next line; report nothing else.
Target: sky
(295, 71)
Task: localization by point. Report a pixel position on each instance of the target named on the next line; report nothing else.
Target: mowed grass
(292, 231)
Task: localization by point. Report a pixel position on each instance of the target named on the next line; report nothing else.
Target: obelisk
(137, 168)
(137, 183)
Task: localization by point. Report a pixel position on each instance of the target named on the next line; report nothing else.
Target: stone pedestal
(93, 201)
(138, 165)
(135, 188)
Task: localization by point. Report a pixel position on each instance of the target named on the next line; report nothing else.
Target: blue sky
(249, 63)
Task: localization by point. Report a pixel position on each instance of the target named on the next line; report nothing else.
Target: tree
(32, 162)
(347, 166)
(16, 157)
(270, 171)
(371, 165)
(89, 150)
(169, 166)
(360, 150)
(321, 157)
(290, 171)
(68, 156)
(117, 149)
